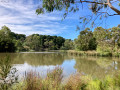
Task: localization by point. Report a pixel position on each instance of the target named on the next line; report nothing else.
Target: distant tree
(107, 39)
(102, 38)
(33, 41)
(6, 40)
(85, 41)
(19, 45)
(59, 42)
(68, 45)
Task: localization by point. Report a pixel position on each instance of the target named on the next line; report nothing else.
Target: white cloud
(20, 17)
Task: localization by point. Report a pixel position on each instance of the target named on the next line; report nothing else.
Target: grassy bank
(54, 81)
(91, 53)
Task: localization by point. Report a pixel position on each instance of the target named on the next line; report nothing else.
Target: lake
(43, 62)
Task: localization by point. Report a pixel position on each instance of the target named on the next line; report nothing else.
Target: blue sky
(20, 17)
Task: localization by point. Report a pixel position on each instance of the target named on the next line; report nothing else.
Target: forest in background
(102, 40)
(12, 42)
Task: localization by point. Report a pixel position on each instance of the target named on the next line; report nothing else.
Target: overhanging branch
(113, 8)
(91, 2)
(108, 3)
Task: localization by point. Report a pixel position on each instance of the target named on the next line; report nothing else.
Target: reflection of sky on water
(22, 68)
(44, 62)
(67, 66)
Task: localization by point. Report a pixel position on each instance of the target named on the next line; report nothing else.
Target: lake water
(44, 62)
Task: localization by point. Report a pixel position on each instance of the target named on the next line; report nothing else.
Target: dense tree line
(105, 41)
(102, 40)
(41, 42)
(11, 42)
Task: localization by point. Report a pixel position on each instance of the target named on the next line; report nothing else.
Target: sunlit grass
(92, 53)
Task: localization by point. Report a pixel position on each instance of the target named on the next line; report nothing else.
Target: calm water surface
(44, 62)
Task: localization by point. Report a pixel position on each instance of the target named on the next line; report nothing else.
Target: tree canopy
(99, 8)
(11, 42)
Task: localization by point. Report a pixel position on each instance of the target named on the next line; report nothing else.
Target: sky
(20, 17)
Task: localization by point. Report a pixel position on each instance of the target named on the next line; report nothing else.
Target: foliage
(77, 81)
(68, 45)
(41, 42)
(6, 40)
(11, 42)
(85, 41)
(105, 41)
(7, 74)
(99, 9)
(33, 81)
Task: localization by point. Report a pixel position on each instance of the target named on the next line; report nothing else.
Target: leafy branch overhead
(99, 8)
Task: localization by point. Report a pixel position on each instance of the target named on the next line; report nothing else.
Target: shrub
(7, 74)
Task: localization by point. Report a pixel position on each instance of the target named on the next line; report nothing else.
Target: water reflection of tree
(36, 59)
(97, 67)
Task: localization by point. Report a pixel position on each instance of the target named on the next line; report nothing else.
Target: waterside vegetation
(98, 42)
(12, 42)
(55, 81)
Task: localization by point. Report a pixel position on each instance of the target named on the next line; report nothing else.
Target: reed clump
(53, 80)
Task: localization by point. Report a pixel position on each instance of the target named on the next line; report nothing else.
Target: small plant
(33, 81)
(75, 82)
(7, 74)
(55, 77)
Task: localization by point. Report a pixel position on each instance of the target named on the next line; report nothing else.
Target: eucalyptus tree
(99, 8)
(85, 41)
(108, 40)
(115, 39)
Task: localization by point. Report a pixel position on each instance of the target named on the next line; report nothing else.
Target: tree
(33, 41)
(6, 40)
(59, 42)
(100, 8)
(19, 45)
(103, 40)
(85, 41)
(68, 45)
(107, 39)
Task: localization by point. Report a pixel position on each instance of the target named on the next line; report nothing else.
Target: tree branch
(113, 8)
(108, 3)
(90, 2)
(108, 13)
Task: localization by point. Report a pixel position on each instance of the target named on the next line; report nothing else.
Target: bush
(7, 74)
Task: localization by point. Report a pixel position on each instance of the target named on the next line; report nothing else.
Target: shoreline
(89, 53)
